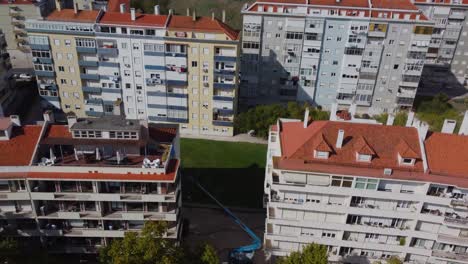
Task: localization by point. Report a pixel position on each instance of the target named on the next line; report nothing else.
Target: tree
(394, 260)
(311, 254)
(148, 247)
(209, 255)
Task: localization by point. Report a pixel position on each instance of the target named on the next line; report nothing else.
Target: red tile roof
(394, 4)
(203, 24)
(58, 131)
(85, 16)
(163, 134)
(447, 154)
(441, 2)
(321, 144)
(381, 141)
(169, 176)
(145, 20)
(19, 149)
(114, 5)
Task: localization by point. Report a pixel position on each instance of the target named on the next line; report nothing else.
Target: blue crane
(242, 254)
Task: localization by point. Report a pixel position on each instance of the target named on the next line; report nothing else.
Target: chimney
(188, 11)
(71, 121)
(75, 8)
(122, 8)
(132, 14)
(410, 119)
(334, 108)
(339, 139)
(49, 116)
(306, 117)
(464, 125)
(390, 119)
(157, 10)
(212, 16)
(58, 5)
(449, 126)
(194, 16)
(15, 119)
(224, 16)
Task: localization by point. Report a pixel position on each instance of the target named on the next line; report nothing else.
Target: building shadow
(435, 80)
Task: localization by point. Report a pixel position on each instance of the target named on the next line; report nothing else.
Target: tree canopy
(435, 110)
(310, 254)
(262, 117)
(148, 247)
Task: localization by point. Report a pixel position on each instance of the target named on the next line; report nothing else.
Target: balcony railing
(89, 76)
(227, 86)
(450, 255)
(86, 50)
(85, 63)
(223, 98)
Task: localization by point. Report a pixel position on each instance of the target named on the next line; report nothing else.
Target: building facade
(76, 187)
(145, 67)
(368, 191)
(368, 53)
(6, 84)
(13, 15)
(447, 47)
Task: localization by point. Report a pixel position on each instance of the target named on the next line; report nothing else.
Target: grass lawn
(232, 171)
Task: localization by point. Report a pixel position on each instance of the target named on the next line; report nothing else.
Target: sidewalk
(236, 138)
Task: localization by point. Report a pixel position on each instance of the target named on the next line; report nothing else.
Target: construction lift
(240, 255)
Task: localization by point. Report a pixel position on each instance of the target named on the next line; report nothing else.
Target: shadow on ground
(238, 187)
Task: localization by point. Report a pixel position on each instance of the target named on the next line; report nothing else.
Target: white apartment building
(74, 187)
(368, 191)
(370, 53)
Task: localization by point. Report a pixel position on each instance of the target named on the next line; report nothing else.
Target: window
(61, 68)
(342, 181)
(364, 183)
(194, 64)
(395, 66)
(123, 45)
(63, 81)
(250, 45)
(126, 72)
(407, 161)
(71, 69)
(68, 42)
(123, 135)
(206, 51)
(293, 35)
(57, 42)
(77, 106)
(65, 94)
(321, 154)
(128, 85)
(69, 56)
(136, 46)
(353, 51)
(87, 43)
(194, 50)
(123, 30)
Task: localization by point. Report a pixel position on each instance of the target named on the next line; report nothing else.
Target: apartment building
(6, 91)
(366, 52)
(142, 66)
(74, 187)
(447, 47)
(368, 191)
(13, 14)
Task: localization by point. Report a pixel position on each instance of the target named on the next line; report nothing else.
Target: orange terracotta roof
(203, 24)
(85, 16)
(343, 3)
(169, 176)
(362, 147)
(19, 149)
(114, 5)
(298, 142)
(394, 4)
(162, 134)
(321, 144)
(146, 20)
(447, 154)
(58, 131)
(441, 2)
(406, 151)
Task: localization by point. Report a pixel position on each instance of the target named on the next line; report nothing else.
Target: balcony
(226, 86)
(40, 46)
(16, 21)
(175, 54)
(177, 83)
(230, 72)
(450, 255)
(108, 64)
(225, 58)
(108, 50)
(226, 123)
(90, 89)
(45, 73)
(86, 50)
(459, 222)
(459, 202)
(94, 113)
(223, 98)
(223, 111)
(154, 81)
(89, 76)
(457, 15)
(85, 63)
(93, 101)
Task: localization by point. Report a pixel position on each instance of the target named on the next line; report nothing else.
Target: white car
(25, 76)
